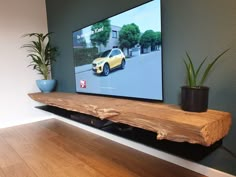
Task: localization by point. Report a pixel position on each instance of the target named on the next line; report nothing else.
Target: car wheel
(122, 66)
(106, 69)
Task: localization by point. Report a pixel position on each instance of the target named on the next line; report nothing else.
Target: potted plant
(194, 96)
(42, 54)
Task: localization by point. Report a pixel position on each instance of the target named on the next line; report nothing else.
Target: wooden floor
(53, 148)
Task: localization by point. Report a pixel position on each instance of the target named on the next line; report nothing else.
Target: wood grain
(2, 174)
(19, 170)
(168, 121)
(11, 163)
(67, 151)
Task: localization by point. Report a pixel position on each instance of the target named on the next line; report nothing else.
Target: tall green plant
(194, 76)
(41, 53)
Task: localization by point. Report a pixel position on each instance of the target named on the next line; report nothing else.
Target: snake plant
(197, 76)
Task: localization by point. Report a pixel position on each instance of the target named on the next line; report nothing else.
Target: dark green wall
(202, 27)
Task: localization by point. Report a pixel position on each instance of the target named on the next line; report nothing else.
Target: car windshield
(105, 54)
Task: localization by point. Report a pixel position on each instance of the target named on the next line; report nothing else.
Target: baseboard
(151, 151)
(10, 123)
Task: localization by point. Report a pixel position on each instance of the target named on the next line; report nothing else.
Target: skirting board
(11, 123)
(151, 151)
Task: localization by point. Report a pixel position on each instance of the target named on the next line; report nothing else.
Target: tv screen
(121, 55)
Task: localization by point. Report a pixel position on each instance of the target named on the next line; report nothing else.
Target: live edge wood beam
(168, 121)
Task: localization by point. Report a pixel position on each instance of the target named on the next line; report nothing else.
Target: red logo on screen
(82, 84)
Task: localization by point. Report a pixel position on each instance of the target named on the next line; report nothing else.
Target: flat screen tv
(121, 55)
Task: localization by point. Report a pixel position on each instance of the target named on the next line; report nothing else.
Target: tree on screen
(100, 33)
(158, 40)
(150, 39)
(129, 36)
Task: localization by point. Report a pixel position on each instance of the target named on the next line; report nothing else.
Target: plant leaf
(188, 73)
(192, 73)
(40, 52)
(200, 66)
(210, 66)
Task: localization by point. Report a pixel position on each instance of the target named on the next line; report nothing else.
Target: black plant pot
(194, 99)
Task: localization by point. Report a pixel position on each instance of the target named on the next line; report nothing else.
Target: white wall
(16, 79)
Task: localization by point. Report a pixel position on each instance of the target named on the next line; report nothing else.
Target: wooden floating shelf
(168, 121)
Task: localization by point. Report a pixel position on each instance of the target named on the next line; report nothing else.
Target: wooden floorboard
(52, 148)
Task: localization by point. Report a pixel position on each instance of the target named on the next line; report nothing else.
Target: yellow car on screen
(108, 61)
